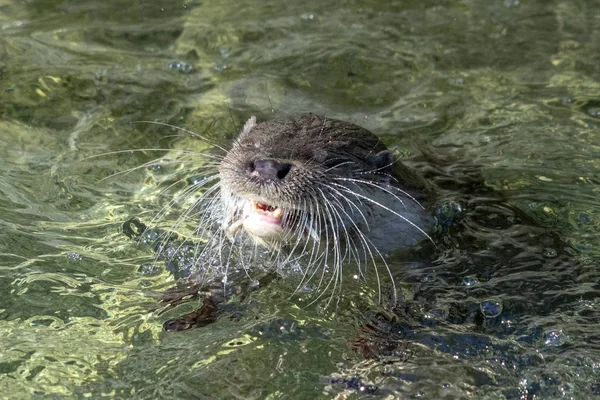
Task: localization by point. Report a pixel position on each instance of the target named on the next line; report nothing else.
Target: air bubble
(180, 66)
(149, 269)
(555, 338)
(491, 309)
(585, 219)
(549, 253)
(470, 281)
(594, 112)
(74, 257)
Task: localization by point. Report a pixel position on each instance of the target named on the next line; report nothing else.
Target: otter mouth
(259, 219)
(268, 224)
(263, 214)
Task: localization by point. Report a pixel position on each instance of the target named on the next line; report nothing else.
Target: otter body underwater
(308, 191)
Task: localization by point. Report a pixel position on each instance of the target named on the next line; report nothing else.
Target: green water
(509, 86)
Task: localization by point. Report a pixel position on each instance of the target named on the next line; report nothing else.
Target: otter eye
(319, 155)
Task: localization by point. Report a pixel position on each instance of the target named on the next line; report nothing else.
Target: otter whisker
(312, 260)
(385, 189)
(206, 217)
(339, 165)
(227, 264)
(191, 133)
(130, 170)
(350, 246)
(351, 203)
(297, 233)
(183, 216)
(204, 224)
(148, 164)
(322, 256)
(389, 210)
(367, 246)
(193, 188)
(349, 217)
(337, 259)
(188, 190)
(166, 150)
(163, 211)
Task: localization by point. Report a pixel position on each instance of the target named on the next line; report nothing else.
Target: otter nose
(269, 170)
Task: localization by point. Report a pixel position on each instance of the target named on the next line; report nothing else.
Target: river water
(507, 92)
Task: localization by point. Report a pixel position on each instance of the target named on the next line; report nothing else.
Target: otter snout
(268, 170)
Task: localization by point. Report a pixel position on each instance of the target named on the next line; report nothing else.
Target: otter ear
(383, 161)
(383, 165)
(251, 123)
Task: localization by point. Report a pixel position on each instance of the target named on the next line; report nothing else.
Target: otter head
(300, 176)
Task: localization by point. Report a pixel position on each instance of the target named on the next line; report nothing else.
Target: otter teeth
(262, 221)
(262, 208)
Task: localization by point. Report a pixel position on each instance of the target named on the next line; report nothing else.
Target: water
(506, 307)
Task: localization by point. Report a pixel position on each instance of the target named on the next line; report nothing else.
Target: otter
(306, 193)
(317, 190)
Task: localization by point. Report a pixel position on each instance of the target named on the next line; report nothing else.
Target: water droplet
(224, 52)
(196, 180)
(149, 237)
(565, 101)
(149, 269)
(470, 281)
(439, 314)
(594, 112)
(180, 66)
(555, 338)
(594, 364)
(74, 257)
(307, 17)
(429, 278)
(448, 212)
(491, 309)
(549, 253)
(368, 389)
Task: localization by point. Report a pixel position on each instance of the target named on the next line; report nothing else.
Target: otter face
(301, 176)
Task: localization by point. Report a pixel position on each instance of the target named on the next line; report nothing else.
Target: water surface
(507, 91)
